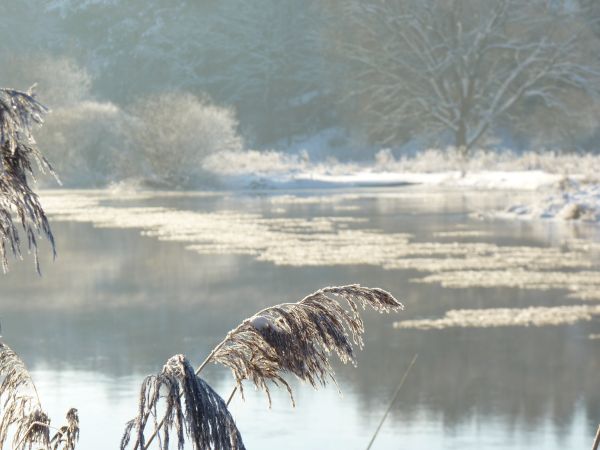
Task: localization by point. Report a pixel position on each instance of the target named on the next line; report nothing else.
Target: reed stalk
(596, 444)
(396, 392)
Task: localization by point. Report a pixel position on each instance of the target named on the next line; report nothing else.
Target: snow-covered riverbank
(570, 200)
(563, 186)
(504, 180)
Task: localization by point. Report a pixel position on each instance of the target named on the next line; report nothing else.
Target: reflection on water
(116, 304)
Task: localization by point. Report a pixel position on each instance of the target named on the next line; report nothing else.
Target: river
(142, 276)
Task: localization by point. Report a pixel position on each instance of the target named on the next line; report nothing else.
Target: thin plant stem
(597, 440)
(393, 399)
(233, 391)
(212, 353)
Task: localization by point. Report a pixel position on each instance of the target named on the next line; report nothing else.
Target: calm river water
(136, 281)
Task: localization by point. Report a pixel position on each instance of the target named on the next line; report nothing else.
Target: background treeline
(146, 78)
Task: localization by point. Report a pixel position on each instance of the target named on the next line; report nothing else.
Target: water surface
(139, 278)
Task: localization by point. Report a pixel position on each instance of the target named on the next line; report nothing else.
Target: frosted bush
(162, 139)
(175, 132)
(84, 138)
(255, 162)
(87, 143)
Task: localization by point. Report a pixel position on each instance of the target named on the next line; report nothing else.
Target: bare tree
(460, 68)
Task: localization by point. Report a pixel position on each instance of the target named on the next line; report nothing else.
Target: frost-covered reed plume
(19, 112)
(67, 436)
(191, 408)
(21, 413)
(298, 338)
(289, 338)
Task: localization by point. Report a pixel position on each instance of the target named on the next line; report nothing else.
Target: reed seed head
(178, 401)
(21, 413)
(19, 205)
(298, 338)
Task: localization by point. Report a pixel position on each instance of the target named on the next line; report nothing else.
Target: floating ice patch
(311, 200)
(282, 241)
(343, 240)
(585, 294)
(449, 267)
(523, 279)
(462, 234)
(506, 317)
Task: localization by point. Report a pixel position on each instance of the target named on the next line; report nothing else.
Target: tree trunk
(461, 140)
(461, 147)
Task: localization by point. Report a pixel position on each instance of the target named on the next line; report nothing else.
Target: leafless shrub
(88, 143)
(175, 132)
(67, 436)
(19, 112)
(191, 407)
(298, 338)
(22, 411)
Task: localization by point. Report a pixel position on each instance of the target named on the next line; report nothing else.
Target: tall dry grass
(286, 339)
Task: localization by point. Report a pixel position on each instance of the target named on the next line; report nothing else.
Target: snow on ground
(571, 201)
(276, 170)
(518, 180)
(567, 186)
